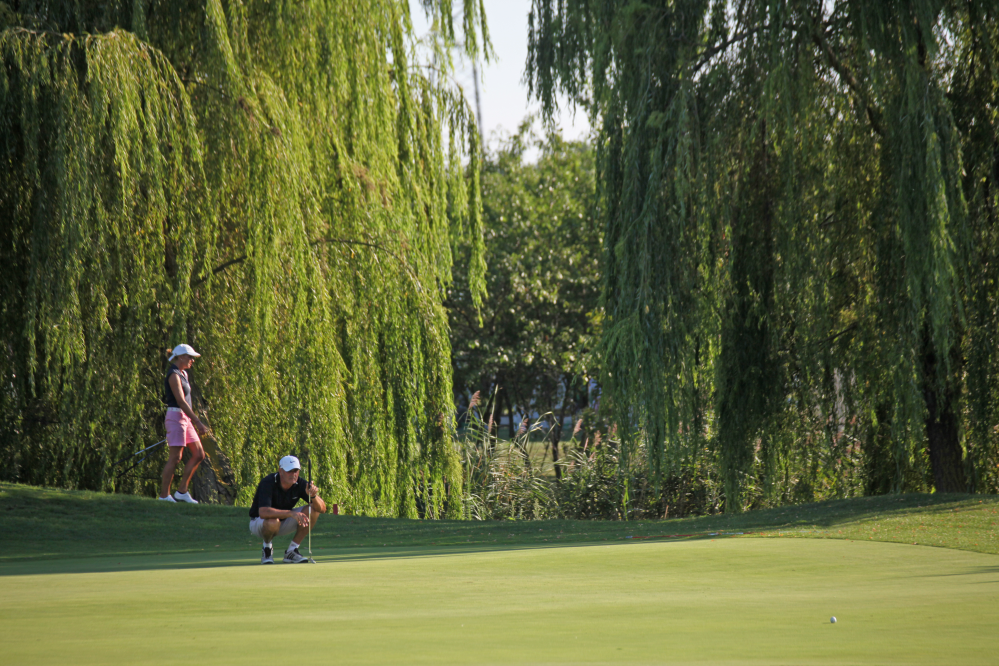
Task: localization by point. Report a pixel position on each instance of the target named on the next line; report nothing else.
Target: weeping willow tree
(801, 234)
(279, 184)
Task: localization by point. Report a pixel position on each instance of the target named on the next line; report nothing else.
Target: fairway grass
(734, 601)
(127, 580)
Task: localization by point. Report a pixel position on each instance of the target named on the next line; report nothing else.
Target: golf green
(725, 601)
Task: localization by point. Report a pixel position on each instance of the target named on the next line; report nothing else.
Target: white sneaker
(167, 499)
(294, 557)
(185, 497)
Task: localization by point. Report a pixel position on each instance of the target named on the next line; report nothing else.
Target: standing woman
(182, 425)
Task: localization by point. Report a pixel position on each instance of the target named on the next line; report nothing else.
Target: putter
(311, 561)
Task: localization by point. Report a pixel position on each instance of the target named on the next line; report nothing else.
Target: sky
(503, 93)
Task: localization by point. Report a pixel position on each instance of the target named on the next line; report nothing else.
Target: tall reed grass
(506, 479)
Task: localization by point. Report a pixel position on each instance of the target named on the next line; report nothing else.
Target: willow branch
(219, 269)
(832, 338)
(718, 48)
(203, 86)
(40, 33)
(344, 241)
(846, 75)
(846, 330)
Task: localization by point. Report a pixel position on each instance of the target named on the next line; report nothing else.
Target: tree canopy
(280, 184)
(800, 207)
(532, 342)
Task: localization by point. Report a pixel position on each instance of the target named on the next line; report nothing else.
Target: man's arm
(270, 512)
(317, 502)
(267, 512)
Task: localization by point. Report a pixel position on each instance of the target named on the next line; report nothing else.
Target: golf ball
(833, 619)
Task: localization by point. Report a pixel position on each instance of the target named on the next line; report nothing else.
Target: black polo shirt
(270, 493)
(168, 397)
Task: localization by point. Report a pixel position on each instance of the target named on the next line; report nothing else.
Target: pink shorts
(180, 430)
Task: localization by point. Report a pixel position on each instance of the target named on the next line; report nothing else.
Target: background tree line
(281, 185)
(777, 259)
(798, 208)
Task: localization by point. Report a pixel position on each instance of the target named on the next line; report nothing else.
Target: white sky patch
(503, 92)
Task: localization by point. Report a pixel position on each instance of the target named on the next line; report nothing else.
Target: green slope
(60, 524)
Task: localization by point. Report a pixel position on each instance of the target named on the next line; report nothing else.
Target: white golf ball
(833, 619)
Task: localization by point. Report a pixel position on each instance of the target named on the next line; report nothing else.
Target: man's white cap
(289, 463)
(183, 349)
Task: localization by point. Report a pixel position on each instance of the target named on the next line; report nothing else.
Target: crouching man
(273, 512)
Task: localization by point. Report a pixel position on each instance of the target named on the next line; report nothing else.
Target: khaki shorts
(288, 525)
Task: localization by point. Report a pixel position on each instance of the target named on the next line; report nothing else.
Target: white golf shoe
(167, 499)
(185, 497)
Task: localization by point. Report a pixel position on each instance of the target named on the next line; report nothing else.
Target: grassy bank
(62, 523)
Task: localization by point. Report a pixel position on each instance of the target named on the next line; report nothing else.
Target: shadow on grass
(971, 571)
(87, 531)
(833, 513)
(250, 557)
(121, 563)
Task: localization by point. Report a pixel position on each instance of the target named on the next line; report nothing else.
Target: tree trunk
(556, 432)
(555, 436)
(945, 453)
(879, 463)
(496, 412)
(214, 482)
(510, 410)
(946, 457)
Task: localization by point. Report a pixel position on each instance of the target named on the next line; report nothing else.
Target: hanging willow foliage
(801, 245)
(279, 184)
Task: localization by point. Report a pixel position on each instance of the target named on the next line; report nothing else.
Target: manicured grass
(746, 601)
(164, 584)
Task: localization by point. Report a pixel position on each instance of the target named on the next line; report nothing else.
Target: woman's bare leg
(197, 455)
(171, 464)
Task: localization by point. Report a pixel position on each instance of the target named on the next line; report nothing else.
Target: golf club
(311, 561)
(137, 462)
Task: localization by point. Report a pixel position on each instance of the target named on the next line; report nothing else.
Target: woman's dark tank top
(168, 396)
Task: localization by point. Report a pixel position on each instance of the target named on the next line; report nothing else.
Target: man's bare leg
(303, 531)
(270, 529)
